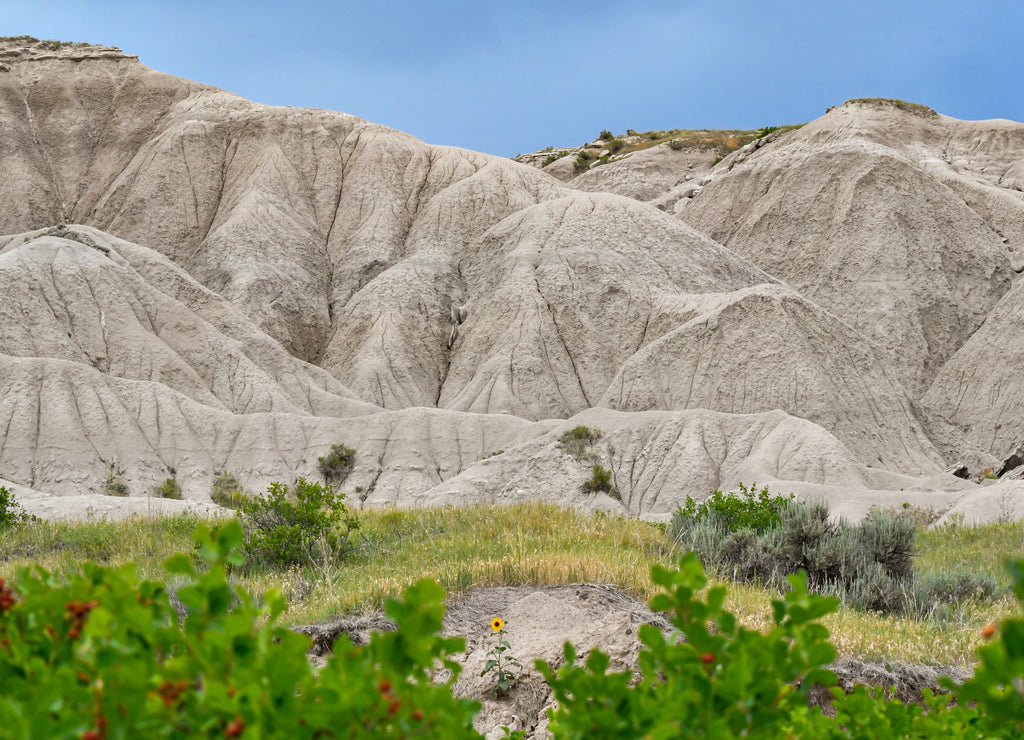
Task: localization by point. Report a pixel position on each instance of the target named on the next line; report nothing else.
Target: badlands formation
(196, 283)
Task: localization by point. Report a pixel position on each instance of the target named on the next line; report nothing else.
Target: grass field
(534, 543)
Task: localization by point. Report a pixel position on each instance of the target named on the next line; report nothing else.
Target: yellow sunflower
(497, 624)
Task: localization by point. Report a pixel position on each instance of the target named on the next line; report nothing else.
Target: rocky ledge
(29, 49)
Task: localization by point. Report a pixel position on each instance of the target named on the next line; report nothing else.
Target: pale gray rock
(981, 388)
(242, 286)
(849, 211)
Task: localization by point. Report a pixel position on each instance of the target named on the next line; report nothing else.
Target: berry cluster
(77, 612)
(7, 599)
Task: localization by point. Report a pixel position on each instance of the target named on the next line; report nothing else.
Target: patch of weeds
(337, 464)
(578, 441)
(115, 484)
(553, 157)
(915, 108)
(227, 491)
(170, 488)
(600, 480)
(582, 162)
(606, 135)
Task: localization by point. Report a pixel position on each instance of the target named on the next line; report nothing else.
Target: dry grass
(467, 547)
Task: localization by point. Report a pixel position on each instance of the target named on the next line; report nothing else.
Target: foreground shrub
(713, 678)
(104, 656)
(306, 524)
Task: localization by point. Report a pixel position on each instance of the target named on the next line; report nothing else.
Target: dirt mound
(539, 620)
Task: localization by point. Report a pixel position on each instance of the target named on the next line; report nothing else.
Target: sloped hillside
(199, 283)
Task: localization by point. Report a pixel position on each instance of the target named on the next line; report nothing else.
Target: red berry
(708, 658)
(417, 715)
(236, 728)
(384, 686)
(92, 735)
(73, 633)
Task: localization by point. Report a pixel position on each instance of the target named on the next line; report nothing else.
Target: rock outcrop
(194, 282)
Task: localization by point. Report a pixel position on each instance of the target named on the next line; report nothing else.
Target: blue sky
(514, 77)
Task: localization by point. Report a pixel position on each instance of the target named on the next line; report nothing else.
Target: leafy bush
(747, 509)
(227, 491)
(713, 678)
(606, 135)
(337, 464)
(616, 144)
(760, 538)
(11, 513)
(578, 441)
(104, 656)
(300, 526)
(600, 479)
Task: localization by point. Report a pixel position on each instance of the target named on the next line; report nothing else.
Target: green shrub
(578, 441)
(337, 464)
(676, 144)
(616, 144)
(170, 488)
(294, 527)
(758, 538)
(713, 678)
(606, 135)
(746, 509)
(227, 491)
(600, 480)
(582, 162)
(11, 513)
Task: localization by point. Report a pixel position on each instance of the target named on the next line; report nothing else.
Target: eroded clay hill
(196, 282)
